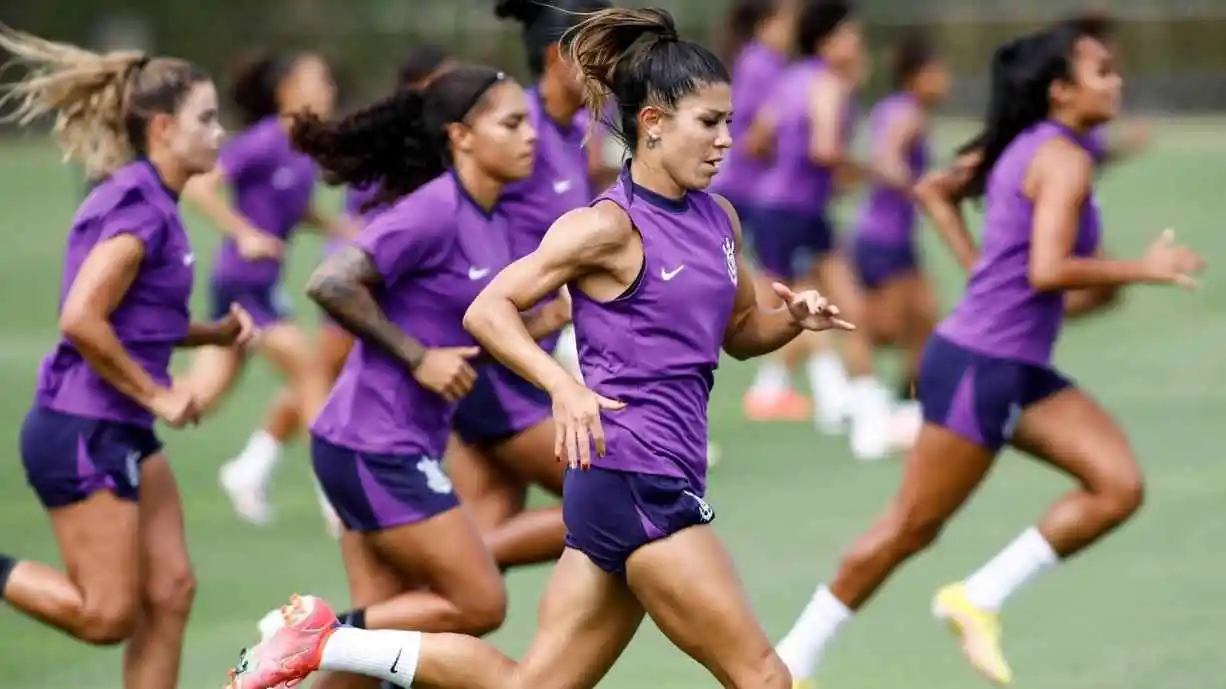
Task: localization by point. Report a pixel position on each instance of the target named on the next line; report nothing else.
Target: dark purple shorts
(787, 243)
(977, 396)
(610, 514)
(877, 263)
(373, 492)
(69, 458)
(267, 304)
(501, 405)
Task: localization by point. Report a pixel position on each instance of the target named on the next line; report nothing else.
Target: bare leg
(712, 623)
(97, 600)
(152, 657)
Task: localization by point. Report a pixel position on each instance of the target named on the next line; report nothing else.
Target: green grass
(1142, 611)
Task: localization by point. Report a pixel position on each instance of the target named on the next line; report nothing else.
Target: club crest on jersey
(730, 258)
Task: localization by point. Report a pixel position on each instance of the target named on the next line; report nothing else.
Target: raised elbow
(476, 318)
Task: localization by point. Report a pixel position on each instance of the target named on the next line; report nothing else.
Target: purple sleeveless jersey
(754, 75)
(656, 347)
(151, 319)
(1000, 314)
(887, 216)
(272, 186)
(792, 181)
(436, 249)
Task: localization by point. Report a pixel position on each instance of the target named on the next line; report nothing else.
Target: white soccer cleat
(246, 494)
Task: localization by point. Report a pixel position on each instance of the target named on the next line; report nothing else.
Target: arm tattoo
(341, 286)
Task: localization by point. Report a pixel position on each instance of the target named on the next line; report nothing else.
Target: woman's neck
(483, 189)
(172, 173)
(655, 178)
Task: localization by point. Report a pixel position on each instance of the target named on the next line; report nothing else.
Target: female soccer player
(414, 560)
(142, 126)
(986, 378)
(503, 438)
(263, 449)
(658, 285)
(811, 116)
(900, 302)
(273, 185)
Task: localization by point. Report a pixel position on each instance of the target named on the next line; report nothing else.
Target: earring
(652, 141)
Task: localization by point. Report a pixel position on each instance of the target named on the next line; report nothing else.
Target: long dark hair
(398, 143)
(637, 57)
(1022, 73)
(818, 19)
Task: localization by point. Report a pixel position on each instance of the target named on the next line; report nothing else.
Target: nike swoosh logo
(396, 662)
(477, 273)
(670, 274)
(561, 186)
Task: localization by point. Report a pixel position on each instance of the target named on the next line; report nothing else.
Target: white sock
(828, 380)
(771, 378)
(260, 456)
(802, 648)
(386, 654)
(1020, 561)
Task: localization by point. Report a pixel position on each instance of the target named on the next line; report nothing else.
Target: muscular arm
(582, 242)
(1058, 183)
(100, 285)
(752, 331)
(341, 285)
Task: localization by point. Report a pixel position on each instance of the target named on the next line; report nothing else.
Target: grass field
(1143, 611)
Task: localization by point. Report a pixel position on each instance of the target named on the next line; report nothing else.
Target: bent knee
(107, 623)
(171, 594)
(482, 611)
(1123, 495)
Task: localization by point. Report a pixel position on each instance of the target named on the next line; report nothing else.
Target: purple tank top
(435, 250)
(757, 69)
(887, 215)
(792, 181)
(656, 347)
(1000, 314)
(151, 319)
(272, 186)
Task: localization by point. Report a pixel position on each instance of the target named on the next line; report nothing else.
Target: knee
(1122, 495)
(482, 611)
(768, 672)
(171, 594)
(107, 622)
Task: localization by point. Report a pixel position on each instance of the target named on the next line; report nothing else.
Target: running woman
(141, 126)
(900, 301)
(986, 377)
(263, 449)
(811, 115)
(272, 188)
(414, 559)
(658, 286)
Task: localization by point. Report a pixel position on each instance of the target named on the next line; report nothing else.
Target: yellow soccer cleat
(978, 629)
(804, 684)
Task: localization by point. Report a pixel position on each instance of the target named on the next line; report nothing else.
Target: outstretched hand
(810, 310)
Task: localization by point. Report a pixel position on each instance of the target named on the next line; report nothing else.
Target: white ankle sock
(260, 456)
(1022, 560)
(802, 648)
(389, 655)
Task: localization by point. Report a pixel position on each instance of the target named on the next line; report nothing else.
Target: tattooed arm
(341, 286)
